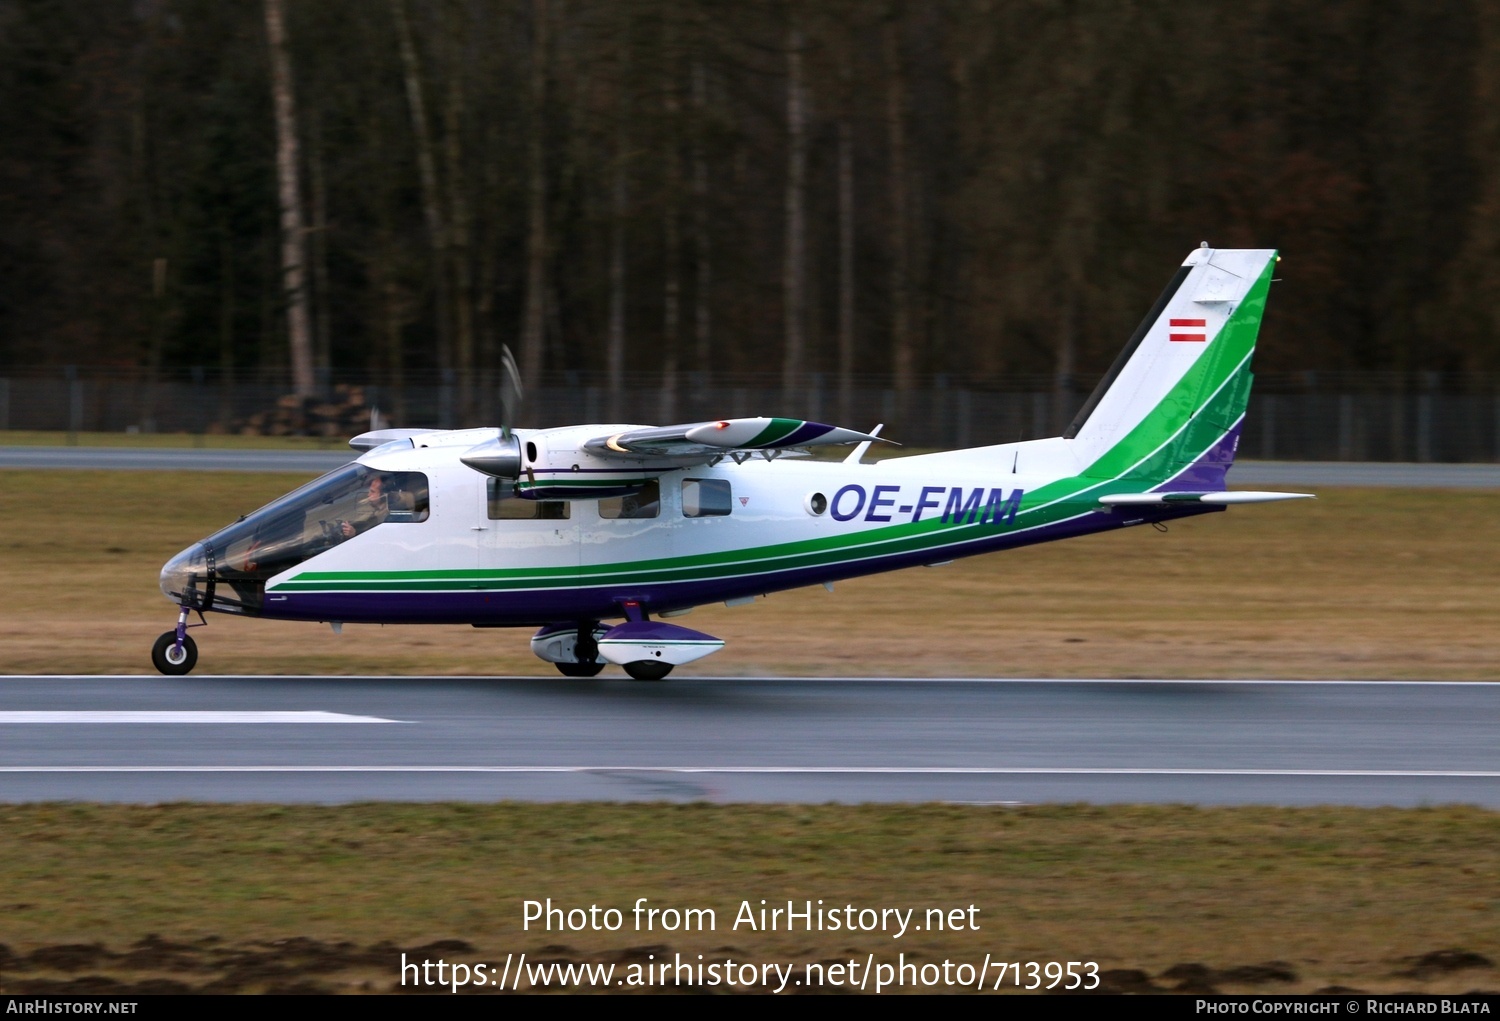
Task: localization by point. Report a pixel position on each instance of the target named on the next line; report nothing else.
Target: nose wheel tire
(647, 670)
(579, 669)
(169, 659)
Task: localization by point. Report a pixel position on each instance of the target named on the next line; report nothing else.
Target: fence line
(1341, 426)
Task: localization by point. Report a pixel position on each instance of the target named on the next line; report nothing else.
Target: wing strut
(864, 445)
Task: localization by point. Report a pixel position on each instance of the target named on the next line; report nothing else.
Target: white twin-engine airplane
(571, 529)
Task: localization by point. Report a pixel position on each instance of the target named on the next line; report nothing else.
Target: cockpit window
(316, 518)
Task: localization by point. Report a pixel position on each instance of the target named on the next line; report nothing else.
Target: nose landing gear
(175, 653)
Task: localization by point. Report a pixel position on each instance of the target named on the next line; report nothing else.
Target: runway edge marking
(1478, 774)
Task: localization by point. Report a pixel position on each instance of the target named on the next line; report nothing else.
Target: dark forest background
(667, 189)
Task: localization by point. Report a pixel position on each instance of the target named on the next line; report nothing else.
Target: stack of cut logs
(344, 413)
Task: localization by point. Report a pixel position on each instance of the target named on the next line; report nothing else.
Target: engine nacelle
(551, 464)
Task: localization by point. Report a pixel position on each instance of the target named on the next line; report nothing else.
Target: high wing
(576, 463)
(737, 438)
(380, 437)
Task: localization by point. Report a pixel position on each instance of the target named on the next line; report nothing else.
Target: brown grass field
(248, 898)
(1367, 584)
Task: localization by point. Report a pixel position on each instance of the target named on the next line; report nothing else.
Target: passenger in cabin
(644, 504)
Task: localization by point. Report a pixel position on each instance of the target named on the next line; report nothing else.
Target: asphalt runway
(304, 462)
(340, 739)
(1307, 474)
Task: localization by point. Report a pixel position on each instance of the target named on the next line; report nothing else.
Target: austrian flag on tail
(1197, 324)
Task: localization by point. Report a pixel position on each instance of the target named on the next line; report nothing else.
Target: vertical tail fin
(1169, 410)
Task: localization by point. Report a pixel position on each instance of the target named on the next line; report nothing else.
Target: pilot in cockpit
(374, 507)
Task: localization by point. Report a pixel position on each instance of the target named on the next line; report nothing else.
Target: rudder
(1169, 410)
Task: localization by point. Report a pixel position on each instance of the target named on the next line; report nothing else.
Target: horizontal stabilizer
(1158, 499)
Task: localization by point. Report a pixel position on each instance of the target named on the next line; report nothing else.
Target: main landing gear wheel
(579, 669)
(169, 659)
(647, 670)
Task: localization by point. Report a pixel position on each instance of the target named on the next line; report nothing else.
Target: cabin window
(706, 498)
(505, 505)
(643, 503)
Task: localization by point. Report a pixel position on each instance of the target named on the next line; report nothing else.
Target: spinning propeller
(501, 457)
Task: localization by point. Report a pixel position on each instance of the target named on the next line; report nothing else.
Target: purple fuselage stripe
(536, 607)
(655, 631)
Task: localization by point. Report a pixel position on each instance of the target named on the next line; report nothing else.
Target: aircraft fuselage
(766, 527)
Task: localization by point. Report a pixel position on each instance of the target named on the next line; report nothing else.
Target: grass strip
(1338, 896)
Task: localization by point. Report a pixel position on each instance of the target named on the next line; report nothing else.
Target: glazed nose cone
(181, 576)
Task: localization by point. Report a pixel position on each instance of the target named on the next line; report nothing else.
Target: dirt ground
(152, 966)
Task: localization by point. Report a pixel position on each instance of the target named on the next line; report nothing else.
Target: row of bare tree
(681, 190)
